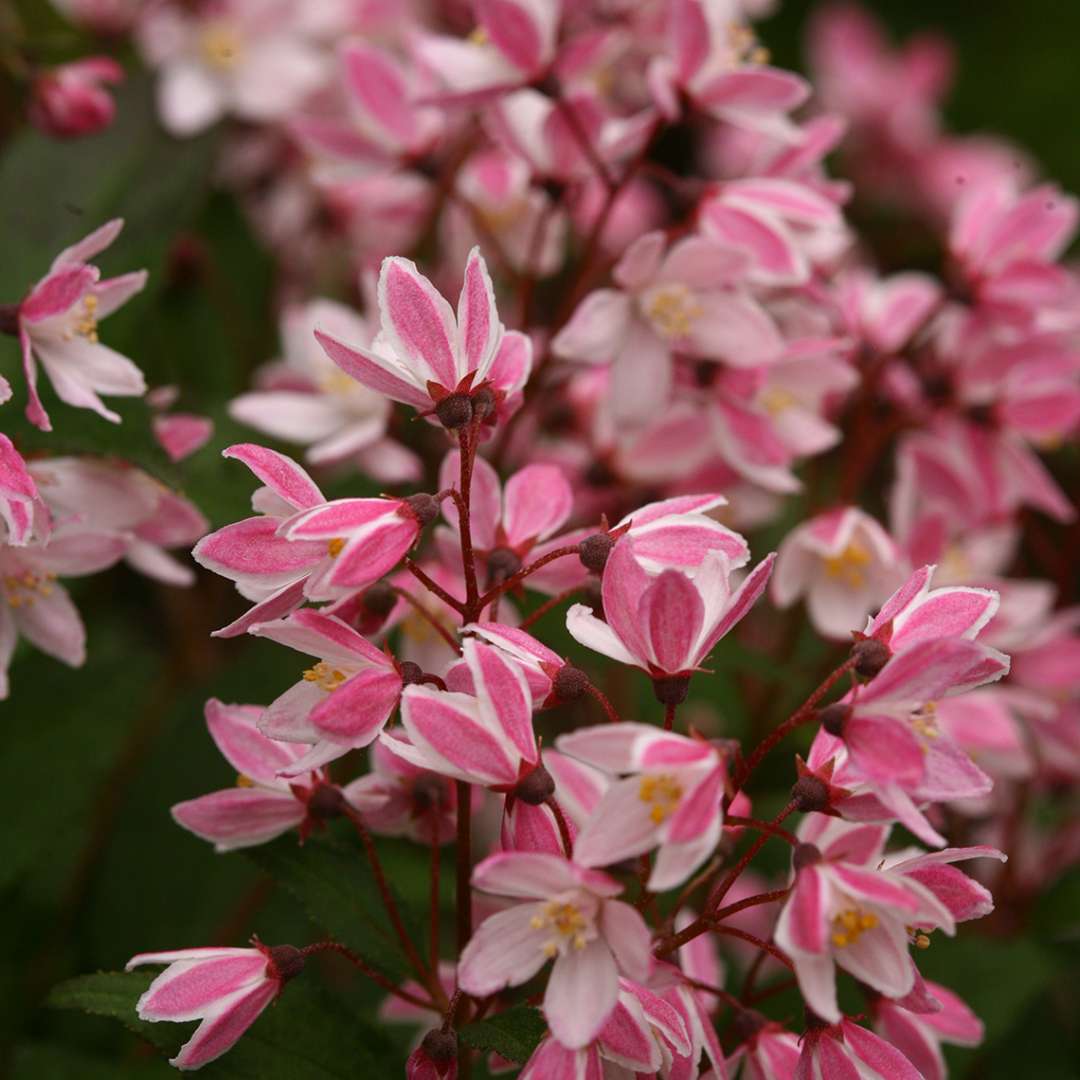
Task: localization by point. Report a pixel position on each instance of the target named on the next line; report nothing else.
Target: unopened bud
(672, 689)
(424, 507)
(569, 683)
(809, 794)
(287, 961)
(454, 411)
(805, 855)
(870, 656)
(594, 550)
(535, 788)
(833, 718)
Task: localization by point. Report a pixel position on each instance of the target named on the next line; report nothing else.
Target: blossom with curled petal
(843, 910)
(566, 913)
(671, 799)
(845, 1049)
(58, 328)
(226, 989)
(71, 100)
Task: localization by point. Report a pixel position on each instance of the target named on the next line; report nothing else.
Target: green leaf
(304, 1035)
(514, 1034)
(335, 885)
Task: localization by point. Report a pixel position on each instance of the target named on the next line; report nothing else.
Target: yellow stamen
(849, 925)
(663, 792)
(333, 548)
(848, 565)
(776, 399)
(673, 310)
(244, 781)
(220, 46)
(324, 676)
(479, 36)
(22, 590)
(568, 923)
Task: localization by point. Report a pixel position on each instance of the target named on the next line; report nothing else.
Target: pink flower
(885, 313)
(845, 564)
(848, 1050)
(227, 989)
(513, 45)
(249, 60)
(22, 510)
(300, 545)
(918, 1034)
(770, 1053)
(305, 398)
(342, 702)
(566, 913)
(485, 739)
(685, 301)
(668, 624)
(261, 806)
(843, 911)
(671, 800)
(424, 357)
(182, 434)
(58, 327)
(70, 100)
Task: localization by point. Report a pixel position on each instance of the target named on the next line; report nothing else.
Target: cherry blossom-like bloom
(919, 1033)
(885, 313)
(249, 60)
(424, 356)
(514, 43)
(226, 989)
(71, 100)
(262, 805)
(305, 398)
(671, 799)
(668, 624)
(845, 564)
(848, 1050)
(564, 913)
(300, 545)
(844, 911)
(342, 702)
(182, 434)
(770, 1053)
(58, 328)
(22, 510)
(686, 301)
(484, 739)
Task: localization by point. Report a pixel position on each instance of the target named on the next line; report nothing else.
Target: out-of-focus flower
(846, 1049)
(71, 100)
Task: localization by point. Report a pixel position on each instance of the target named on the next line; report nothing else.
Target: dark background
(92, 869)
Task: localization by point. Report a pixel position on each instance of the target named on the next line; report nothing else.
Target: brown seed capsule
(536, 787)
(454, 411)
(287, 961)
(671, 690)
(502, 563)
(870, 656)
(440, 1046)
(569, 683)
(483, 403)
(833, 718)
(594, 550)
(425, 508)
(809, 794)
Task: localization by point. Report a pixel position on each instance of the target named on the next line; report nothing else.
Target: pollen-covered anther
(924, 723)
(86, 326)
(325, 676)
(850, 925)
(662, 793)
(334, 547)
(22, 590)
(849, 565)
(673, 310)
(567, 921)
(219, 46)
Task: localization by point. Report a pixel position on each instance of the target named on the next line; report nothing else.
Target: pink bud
(70, 100)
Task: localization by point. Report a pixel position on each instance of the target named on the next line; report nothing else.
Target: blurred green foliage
(92, 869)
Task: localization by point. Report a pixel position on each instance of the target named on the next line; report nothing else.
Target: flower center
(744, 45)
(848, 565)
(850, 925)
(567, 923)
(21, 590)
(336, 382)
(776, 399)
(85, 325)
(673, 310)
(243, 780)
(333, 547)
(924, 722)
(662, 793)
(220, 46)
(324, 676)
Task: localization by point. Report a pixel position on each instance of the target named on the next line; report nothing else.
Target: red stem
(760, 826)
(376, 977)
(436, 859)
(564, 829)
(606, 705)
(467, 443)
(434, 587)
(547, 606)
(429, 618)
(464, 864)
(669, 717)
(765, 946)
(521, 575)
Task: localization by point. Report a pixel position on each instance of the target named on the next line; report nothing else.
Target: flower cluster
(625, 372)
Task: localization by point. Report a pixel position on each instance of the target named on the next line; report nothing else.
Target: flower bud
(454, 411)
(69, 101)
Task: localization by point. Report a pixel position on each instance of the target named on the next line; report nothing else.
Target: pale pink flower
(885, 313)
(182, 434)
(305, 398)
(669, 798)
(484, 739)
(341, 702)
(226, 989)
(22, 510)
(513, 44)
(230, 58)
(566, 913)
(918, 1034)
(669, 623)
(684, 301)
(714, 59)
(58, 327)
(770, 1053)
(539, 664)
(423, 354)
(844, 911)
(300, 545)
(848, 1050)
(71, 100)
(844, 563)
(262, 805)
